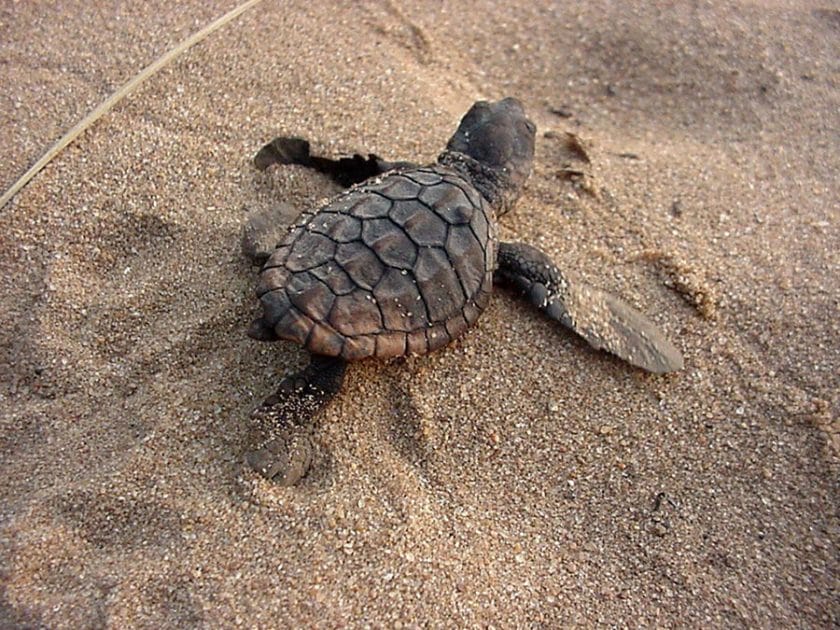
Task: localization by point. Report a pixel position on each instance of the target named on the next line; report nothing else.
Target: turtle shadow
(322, 473)
(18, 617)
(404, 424)
(392, 24)
(107, 521)
(23, 361)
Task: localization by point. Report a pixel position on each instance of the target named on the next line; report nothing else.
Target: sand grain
(517, 478)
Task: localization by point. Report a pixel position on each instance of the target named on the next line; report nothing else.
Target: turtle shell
(399, 264)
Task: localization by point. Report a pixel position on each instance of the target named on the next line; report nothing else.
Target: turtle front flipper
(605, 321)
(345, 171)
(283, 423)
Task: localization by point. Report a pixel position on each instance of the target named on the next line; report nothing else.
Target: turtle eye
(530, 126)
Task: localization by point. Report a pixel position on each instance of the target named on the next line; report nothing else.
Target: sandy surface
(516, 478)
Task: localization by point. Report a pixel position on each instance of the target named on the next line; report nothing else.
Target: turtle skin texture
(400, 264)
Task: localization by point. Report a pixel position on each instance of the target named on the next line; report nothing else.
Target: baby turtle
(403, 262)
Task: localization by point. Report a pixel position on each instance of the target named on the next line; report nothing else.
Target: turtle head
(500, 137)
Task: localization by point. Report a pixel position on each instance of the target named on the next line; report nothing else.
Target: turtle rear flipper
(282, 444)
(345, 171)
(604, 320)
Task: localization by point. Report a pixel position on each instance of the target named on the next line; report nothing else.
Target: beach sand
(516, 478)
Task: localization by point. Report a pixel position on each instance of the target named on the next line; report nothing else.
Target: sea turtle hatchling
(403, 262)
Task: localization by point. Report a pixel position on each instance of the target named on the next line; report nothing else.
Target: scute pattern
(356, 314)
(399, 264)
(401, 303)
(370, 206)
(341, 228)
(462, 243)
(310, 250)
(438, 283)
(424, 228)
(449, 202)
(360, 263)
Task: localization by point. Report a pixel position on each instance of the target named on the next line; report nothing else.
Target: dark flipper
(284, 420)
(345, 171)
(605, 321)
